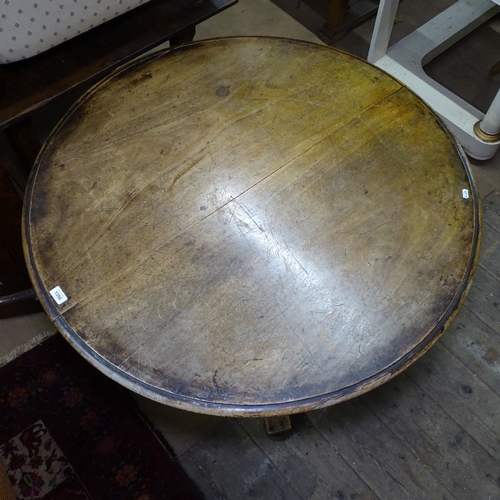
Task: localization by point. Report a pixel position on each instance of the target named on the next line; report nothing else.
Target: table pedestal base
(278, 428)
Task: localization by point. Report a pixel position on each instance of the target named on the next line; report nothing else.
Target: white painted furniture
(479, 133)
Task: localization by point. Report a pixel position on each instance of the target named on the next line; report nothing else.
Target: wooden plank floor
(431, 433)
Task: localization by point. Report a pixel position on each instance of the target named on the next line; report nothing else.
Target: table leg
(185, 36)
(383, 29)
(344, 15)
(489, 128)
(278, 428)
(336, 13)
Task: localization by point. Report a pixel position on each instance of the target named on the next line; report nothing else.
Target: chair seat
(31, 27)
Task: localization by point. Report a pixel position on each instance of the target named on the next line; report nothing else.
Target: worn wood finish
(251, 227)
(433, 432)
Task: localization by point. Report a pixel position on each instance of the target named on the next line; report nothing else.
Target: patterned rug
(67, 432)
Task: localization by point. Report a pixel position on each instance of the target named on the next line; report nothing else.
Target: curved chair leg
(16, 294)
(25, 143)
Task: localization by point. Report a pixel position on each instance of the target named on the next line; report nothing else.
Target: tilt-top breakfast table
(251, 227)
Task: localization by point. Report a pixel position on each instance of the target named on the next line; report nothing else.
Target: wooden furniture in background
(251, 227)
(6, 489)
(344, 15)
(32, 84)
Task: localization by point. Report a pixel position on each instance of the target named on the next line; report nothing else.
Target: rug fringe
(21, 349)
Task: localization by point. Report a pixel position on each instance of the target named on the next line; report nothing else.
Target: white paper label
(58, 295)
(465, 193)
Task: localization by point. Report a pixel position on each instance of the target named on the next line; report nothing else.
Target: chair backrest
(29, 27)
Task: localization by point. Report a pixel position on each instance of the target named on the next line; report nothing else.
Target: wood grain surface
(251, 226)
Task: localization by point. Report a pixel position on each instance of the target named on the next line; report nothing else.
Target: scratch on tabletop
(375, 228)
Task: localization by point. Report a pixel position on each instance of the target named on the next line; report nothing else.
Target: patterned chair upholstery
(29, 27)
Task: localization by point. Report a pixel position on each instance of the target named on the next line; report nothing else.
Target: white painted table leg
(382, 30)
(490, 124)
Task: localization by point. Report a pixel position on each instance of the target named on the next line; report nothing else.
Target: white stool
(478, 133)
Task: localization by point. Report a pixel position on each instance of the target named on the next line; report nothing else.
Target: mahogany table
(251, 227)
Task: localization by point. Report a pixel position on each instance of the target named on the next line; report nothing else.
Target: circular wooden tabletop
(251, 226)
